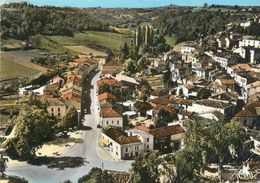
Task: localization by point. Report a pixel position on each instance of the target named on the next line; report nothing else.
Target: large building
(122, 145)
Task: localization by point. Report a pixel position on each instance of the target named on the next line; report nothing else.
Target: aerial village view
(140, 91)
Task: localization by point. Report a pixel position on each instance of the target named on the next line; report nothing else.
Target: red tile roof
(108, 81)
(227, 81)
(112, 63)
(106, 95)
(162, 132)
(165, 100)
(213, 103)
(110, 112)
(245, 113)
(167, 131)
(120, 136)
(249, 110)
(84, 60)
(143, 128)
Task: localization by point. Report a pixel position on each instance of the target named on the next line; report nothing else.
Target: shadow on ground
(62, 141)
(59, 162)
(86, 128)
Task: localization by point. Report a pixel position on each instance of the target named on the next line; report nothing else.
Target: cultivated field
(17, 63)
(85, 50)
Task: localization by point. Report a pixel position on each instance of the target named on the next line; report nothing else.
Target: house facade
(120, 145)
(249, 41)
(56, 108)
(109, 116)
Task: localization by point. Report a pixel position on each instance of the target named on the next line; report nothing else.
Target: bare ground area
(86, 50)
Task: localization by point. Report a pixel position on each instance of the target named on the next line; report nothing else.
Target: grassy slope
(171, 40)
(105, 39)
(10, 69)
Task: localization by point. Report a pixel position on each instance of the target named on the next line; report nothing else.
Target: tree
(142, 64)
(164, 117)
(142, 107)
(205, 5)
(130, 66)
(33, 126)
(36, 41)
(3, 164)
(213, 144)
(96, 175)
(124, 52)
(145, 168)
(203, 93)
(104, 88)
(70, 119)
(184, 166)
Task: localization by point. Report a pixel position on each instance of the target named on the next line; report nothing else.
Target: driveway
(87, 150)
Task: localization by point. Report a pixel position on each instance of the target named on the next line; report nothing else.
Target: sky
(136, 3)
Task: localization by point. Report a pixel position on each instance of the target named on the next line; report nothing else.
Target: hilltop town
(188, 111)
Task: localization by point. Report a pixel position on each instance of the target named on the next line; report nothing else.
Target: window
(107, 122)
(147, 147)
(116, 147)
(116, 153)
(59, 114)
(136, 147)
(58, 109)
(112, 121)
(118, 122)
(126, 149)
(136, 153)
(52, 109)
(52, 114)
(147, 140)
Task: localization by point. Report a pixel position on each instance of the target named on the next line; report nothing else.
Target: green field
(171, 40)
(104, 39)
(10, 69)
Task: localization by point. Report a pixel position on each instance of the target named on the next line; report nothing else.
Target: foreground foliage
(33, 126)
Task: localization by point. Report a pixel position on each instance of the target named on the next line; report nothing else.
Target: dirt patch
(86, 50)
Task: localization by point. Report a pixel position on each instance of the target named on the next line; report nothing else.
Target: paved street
(86, 149)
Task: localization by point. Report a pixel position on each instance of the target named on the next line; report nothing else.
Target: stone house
(56, 108)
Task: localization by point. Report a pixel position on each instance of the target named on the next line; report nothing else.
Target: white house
(145, 137)
(120, 145)
(245, 24)
(249, 41)
(186, 48)
(109, 116)
(253, 89)
(208, 106)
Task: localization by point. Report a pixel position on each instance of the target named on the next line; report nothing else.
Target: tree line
(188, 25)
(21, 22)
